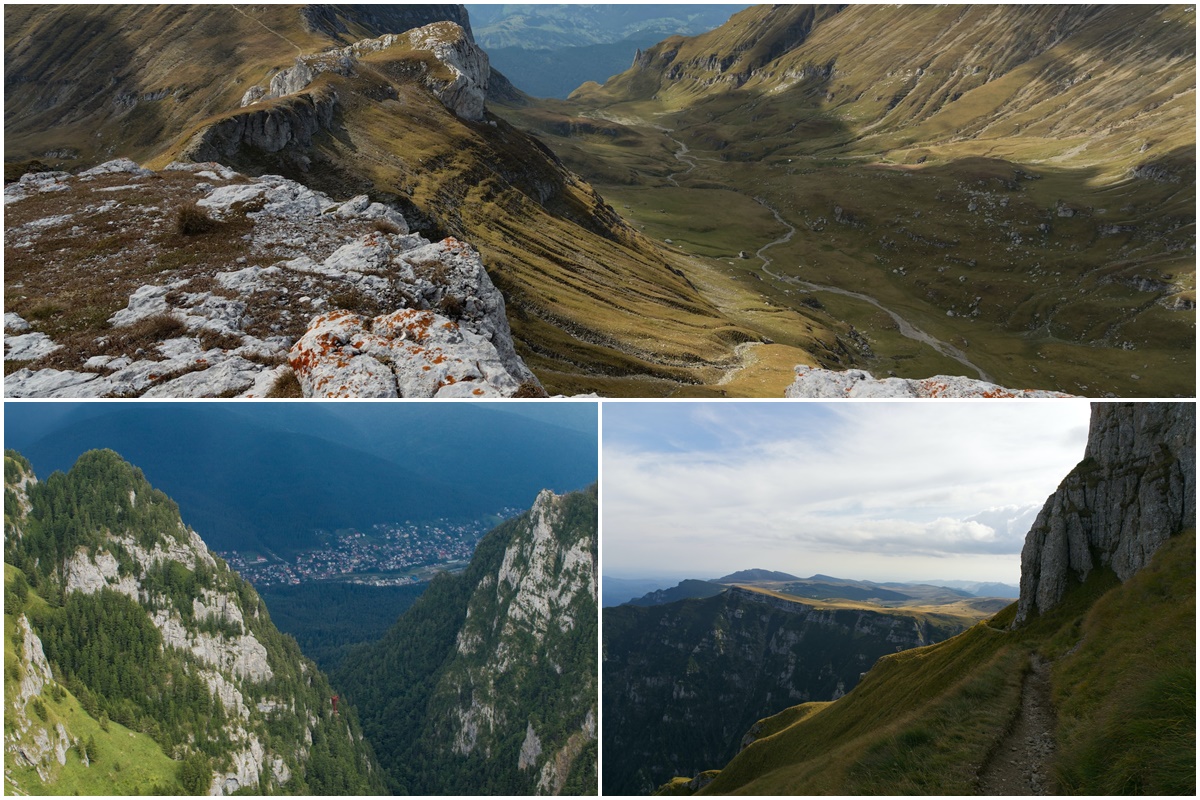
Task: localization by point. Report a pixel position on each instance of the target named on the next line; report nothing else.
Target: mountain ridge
(488, 683)
(342, 134)
(187, 654)
(747, 649)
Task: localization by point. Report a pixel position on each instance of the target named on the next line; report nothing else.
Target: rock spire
(1134, 488)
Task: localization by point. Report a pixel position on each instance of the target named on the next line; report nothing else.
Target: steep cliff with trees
(137, 662)
(488, 684)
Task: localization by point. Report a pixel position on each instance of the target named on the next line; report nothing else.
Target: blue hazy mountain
(549, 50)
(267, 475)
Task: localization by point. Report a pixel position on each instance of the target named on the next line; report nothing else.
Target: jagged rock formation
(1134, 488)
(293, 121)
(684, 681)
(29, 743)
(489, 681)
(460, 83)
(826, 383)
(287, 290)
(188, 653)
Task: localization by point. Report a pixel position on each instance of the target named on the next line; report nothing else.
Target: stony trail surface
(1021, 763)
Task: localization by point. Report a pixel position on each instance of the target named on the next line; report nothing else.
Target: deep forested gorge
(456, 690)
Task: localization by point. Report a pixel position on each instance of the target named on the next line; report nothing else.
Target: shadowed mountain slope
(996, 191)
(593, 304)
(684, 680)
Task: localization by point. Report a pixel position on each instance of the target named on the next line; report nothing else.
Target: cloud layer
(834, 483)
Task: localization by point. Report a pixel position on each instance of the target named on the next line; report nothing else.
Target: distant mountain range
(816, 587)
(268, 477)
(550, 50)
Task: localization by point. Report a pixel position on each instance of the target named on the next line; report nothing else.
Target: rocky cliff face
(490, 679)
(535, 608)
(101, 542)
(458, 76)
(1135, 487)
(684, 681)
(28, 740)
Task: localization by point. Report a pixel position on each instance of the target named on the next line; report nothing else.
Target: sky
(870, 491)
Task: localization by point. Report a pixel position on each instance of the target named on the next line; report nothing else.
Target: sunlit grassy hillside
(1016, 182)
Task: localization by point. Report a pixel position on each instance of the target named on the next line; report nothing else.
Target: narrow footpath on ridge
(1021, 763)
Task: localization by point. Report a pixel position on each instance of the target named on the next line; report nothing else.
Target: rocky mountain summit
(463, 90)
(259, 286)
(124, 617)
(1133, 490)
(828, 383)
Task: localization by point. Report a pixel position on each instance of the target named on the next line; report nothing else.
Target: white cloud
(931, 480)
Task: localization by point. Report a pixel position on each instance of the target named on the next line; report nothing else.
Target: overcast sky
(870, 491)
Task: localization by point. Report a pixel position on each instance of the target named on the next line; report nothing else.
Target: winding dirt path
(1021, 763)
(903, 326)
(681, 155)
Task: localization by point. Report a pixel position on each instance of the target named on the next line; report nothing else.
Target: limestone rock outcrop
(813, 382)
(459, 79)
(319, 277)
(408, 353)
(1134, 488)
(465, 90)
(293, 121)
